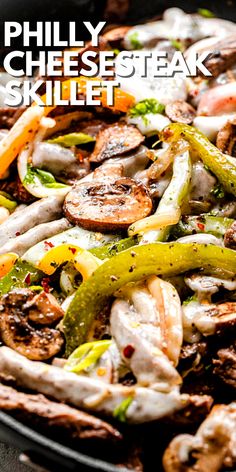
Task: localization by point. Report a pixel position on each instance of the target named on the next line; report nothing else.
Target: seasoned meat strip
(225, 366)
(57, 416)
(230, 236)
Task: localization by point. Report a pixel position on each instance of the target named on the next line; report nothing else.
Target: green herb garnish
(149, 105)
(206, 13)
(134, 41)
(72, 139)
(120, 411)
(218, 191)
(86, 356)
(45, 178)
(177, 44)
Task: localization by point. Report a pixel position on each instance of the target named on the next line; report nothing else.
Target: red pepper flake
(72, 249)
(45, 284)
(28, 279)
(128, 351)
(17, 233)
(48, 244)
(201, 226)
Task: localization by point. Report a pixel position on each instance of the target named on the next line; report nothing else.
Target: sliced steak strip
(230, 236)
(225, 366)
(37, 409)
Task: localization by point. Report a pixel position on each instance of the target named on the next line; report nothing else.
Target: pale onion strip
(170, 311)
(37, 189)
(19, 136)
(155, 222)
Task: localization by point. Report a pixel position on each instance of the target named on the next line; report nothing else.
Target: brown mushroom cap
(107, 205)
(180, 111)
(226, 138)
(115, 140)
(21, 314)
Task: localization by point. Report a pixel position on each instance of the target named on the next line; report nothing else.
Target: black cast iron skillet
(42, 450)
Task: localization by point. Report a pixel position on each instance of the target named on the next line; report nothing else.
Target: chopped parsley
(134, 41)
(177, 44)
(120, 411)
(149, 105)
(206, 13)
(218, 191)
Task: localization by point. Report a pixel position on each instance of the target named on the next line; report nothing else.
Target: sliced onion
(155, 222)
(37, 189)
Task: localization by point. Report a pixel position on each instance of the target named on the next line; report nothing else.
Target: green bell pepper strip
(216, 225)
(223, 166)
(111, 249)
(174, 195)
(7, 202)
(21, 275)
(134, 264)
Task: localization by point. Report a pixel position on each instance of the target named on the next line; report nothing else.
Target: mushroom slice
(226, 138)
(116, 140)
(21, 314)
(208, 319)
(180, 111)
(213, 448)
(230, 236)
(44, 309)
(106, 206)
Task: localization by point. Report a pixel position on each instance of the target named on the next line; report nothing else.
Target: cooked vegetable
(22, 274)
(6, 263)
(24, 317)
(83, 260)
(114, 141)
(41, 211)
(6, 201)
(223, 166)
(72, 139)
(38, 182)
(22, 242)
(149, 105)
(205, 13)
(91, 394)
(180, 112)
(110, 205)
(20, 134)
(215, 225)
(120, 411)
(86, 355)
(168, 211)
(132, 265)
